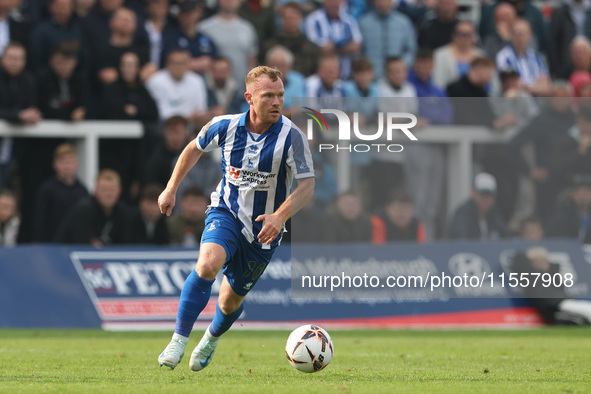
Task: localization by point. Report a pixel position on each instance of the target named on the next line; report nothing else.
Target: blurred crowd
(522, 69)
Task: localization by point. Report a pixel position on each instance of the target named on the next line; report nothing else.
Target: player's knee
(209, 264)
(228, 305)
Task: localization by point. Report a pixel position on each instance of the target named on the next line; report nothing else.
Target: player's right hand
(166, 202)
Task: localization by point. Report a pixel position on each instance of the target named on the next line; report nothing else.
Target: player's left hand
(271, 228)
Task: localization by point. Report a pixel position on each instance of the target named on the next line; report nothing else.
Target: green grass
(545, 360)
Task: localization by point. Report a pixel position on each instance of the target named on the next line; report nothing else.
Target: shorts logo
(248, 286)
(234, 172)
(213, 225)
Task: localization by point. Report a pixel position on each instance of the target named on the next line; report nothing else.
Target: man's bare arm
(188, 158)
(294, 202)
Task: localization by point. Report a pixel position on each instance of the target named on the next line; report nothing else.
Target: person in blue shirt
(186, 36)
(282, 59)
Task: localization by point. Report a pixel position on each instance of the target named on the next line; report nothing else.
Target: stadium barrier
(138, 288)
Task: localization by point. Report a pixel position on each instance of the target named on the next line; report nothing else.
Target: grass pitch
(82, 361)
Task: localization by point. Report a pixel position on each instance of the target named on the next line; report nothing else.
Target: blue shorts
(245, 263)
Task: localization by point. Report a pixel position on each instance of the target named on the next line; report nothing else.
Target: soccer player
(261, 152)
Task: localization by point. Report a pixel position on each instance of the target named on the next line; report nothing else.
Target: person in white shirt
(178, 91)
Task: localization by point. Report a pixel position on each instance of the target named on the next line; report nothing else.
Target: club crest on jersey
(249, 163)
(213, 225)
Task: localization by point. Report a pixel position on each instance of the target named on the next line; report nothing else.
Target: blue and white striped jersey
(258, 171)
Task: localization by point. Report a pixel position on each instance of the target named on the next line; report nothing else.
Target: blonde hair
(109, 175)
(63, 150)
(254, 74)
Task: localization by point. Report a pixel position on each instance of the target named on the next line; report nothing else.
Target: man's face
(13, 60)
(400, 213)
(349, 206)
(110, 5)
(423, 68)
(484, 201)
(175, 137)
(396, 73)
(266, 98)
(532, 231)
(505, 13)
(129, 66)
(332, 7)
(383, 7)
(63, 66)
(482, 75)
(446, 9)
(124, 22)
(278, 61)
(328, 71)
(107, 192)
(193, 208)
(150, 210)
(363, 78)
(61, 10)
(229, 6)
(291, 20)
(188, 19)
(178, 64)
(7, 208)
(66, 166)
(521, 35)
(220, 72)
(158, 9)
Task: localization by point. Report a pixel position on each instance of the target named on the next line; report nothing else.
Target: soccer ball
(309, 348)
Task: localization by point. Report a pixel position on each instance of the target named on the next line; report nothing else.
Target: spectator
(395, 85)
(62, 91)
(452, 61)
(187, 226)
(261, 14)
(223, 92)
(127, 98)
(325, 87)
(156, 26)
(519, 56)
(581, 86)
(531, 229)
(83, 7)
(147, 224)
(543, 132)
(63, 27)
(58, 194)
(123, 26)
(9, 220)
(387, 33)
(18, 97)
(525, 9)
(224, 28)
(395, 222)
(347, 222)
(504, 17)
(305, 227)
(13, 29)
(580, 55)
(572, 152)
(478, 217)
(177, 91)
(437, 31)
(573, 217)
(552, 302)
(425, 163)
(361, 87)
(473, 84)
(294, 83)
(336, 33)
(98, 220)
(187, 37)
(569, 20)
(305, 52)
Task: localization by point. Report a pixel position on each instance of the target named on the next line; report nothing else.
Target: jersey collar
(275, 127)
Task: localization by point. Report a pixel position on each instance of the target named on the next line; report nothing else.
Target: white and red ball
(309, 348)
